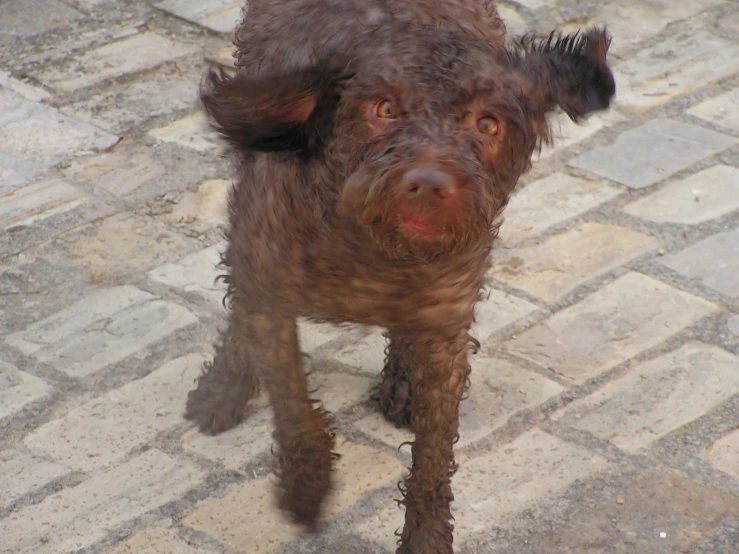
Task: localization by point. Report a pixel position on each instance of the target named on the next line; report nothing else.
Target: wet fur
(316, 210)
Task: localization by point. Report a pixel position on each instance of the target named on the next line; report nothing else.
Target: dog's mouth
(418, 226)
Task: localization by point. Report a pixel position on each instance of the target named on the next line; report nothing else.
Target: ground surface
(604, 413)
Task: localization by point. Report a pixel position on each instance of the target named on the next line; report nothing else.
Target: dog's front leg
(304, 440)
(438, 378)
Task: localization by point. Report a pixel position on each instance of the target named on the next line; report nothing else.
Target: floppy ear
(290, 112)
(568, 71)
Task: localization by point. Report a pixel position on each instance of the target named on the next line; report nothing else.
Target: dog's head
(425, 132)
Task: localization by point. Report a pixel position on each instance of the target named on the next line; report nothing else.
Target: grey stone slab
(219, 15)
(722, 110)
(657, 397)
(624, 318)
(34, 137)
(18, 388)
(130, 55)
(733, 325)
(642, 156)
(36, 202)
(102, 329)
(26, 18)
(21, 473)
(714, 261)
(705, 195)
(77, 517)
(681, 63)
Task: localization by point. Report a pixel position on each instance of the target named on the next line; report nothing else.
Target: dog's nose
(422, 181)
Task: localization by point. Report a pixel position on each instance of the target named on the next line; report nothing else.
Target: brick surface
(21, 473)
(631, 160)
(497, 309)
(247, 520)
(100, 330)
(620, 320)
(733, 325)
(77, 517)
(36, 137)
(218, 15)
(722, 110)
(159, 540)
(705, 195)
(549, 201)
(102, 431)
(644, 405)
(493, 485)
(555, 267)
(18, 389)
(713, 261)
(724, 454)
(32, 203)
(196, 273)
(238, 446)
(130, 55)
(677, 65)
(566, 133)
(190, 132)
(31, 17)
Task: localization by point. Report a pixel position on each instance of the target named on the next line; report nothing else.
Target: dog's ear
(568, 71)
(290, 112)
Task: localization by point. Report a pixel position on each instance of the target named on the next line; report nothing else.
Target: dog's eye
(386, 110)
(488, 125)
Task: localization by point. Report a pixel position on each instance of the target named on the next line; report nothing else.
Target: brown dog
(377, 143)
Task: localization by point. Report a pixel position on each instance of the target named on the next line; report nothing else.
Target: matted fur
(376, 144)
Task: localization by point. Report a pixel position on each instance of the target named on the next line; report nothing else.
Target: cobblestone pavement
(604, 413)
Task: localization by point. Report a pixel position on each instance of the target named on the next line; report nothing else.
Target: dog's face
(425, 132)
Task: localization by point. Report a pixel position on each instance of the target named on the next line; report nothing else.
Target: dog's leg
(303, 434)
(438, 378)
(227, 383)
(394, 393)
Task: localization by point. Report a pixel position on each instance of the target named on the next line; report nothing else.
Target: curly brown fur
(376, 142)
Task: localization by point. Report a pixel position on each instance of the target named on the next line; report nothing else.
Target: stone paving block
(157, 540)
(705, 195)
(549, 201)
(677, 65)
(18, 388)
(713, 261)
(35, 137)
(219, 15)
(491, 486)
(657, 397)
(119, 110)
(634, 22)
(366, 353)
(130, 55)
(534, 4)
(724, 454)
(32, 17)
(624, 318)
(21, 473)
(222, 56)
(499, 389)
(497, 309)
(566, 133)
(662, 513)
(36, 202)
(642, 156)
(119, 172)
(117, 245)
(77, 517)
(236, 447)
(247, 520)
(558, 265)
(191, 132)
(102, 431)
(195, 273)
(722, 110)
(312, 335)
(733, 325)
(100, 330)
(29, 92)
(206, 208)
(515, 24)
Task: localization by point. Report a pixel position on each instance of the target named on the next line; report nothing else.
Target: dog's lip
(417, 225)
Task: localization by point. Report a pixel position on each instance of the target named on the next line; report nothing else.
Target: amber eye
(386, 110)
(487, 125)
